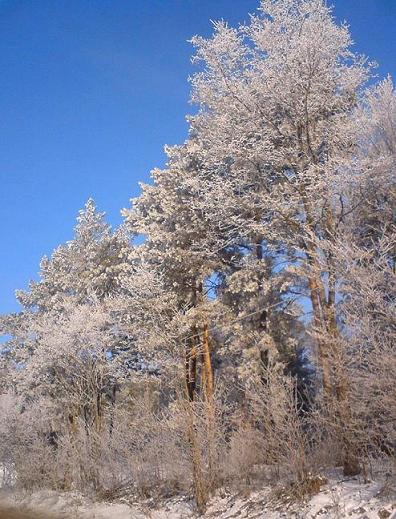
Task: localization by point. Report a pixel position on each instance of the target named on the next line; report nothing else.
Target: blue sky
(91, 90)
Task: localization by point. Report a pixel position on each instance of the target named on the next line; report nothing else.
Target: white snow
(338, 499)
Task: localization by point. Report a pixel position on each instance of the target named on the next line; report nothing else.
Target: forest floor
(337, 498)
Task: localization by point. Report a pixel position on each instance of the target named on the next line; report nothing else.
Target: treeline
(251, 333)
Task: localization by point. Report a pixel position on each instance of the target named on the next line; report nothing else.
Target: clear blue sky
(91, 90)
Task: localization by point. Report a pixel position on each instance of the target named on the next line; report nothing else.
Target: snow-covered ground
(339, 498)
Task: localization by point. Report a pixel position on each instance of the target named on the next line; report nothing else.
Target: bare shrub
(285, 433)
(358, 413)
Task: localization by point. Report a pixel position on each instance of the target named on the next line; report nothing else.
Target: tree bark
(207, 365)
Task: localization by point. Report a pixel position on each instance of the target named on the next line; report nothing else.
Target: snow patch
(338, 499)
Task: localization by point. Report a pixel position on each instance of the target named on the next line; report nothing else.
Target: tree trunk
(207, 365)
(191, 370)
(318, 319)
(208, 388)
(199, 486)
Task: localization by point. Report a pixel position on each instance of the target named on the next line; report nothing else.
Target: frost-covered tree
(363, 356)
(92, 262)
(178, 245)
(91, 265)
(213, 264)
(373, 193)
(276, 99)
